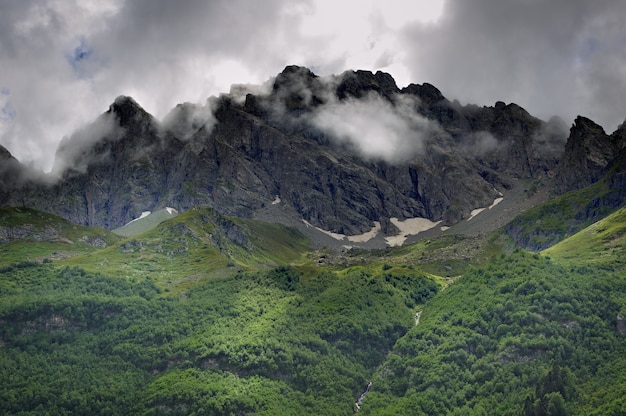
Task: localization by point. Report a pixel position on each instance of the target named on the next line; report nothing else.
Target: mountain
(310, 143)
(314, 268)
(589, 184)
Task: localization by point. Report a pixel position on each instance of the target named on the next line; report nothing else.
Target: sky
(63, 62)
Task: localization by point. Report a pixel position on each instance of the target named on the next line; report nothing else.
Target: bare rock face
(360, 83)
(588, 151)
(238, 156)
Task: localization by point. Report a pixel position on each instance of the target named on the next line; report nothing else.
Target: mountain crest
(292, 154)
(128, 112)
(427, 93)
(588, 152)
(5, 154)
(359, 83)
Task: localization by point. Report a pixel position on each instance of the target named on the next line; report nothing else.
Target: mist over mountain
(346, 154)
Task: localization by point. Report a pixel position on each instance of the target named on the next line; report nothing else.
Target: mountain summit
(348, 155)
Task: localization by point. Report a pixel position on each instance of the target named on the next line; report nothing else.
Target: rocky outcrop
(503, 139)
(591, 158)
(237, 156)
(361, 83)
(588, 152)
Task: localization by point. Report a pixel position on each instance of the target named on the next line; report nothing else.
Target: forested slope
(522, 333)
(277, 342)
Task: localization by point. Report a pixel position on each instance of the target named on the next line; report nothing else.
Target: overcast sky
(62, 62)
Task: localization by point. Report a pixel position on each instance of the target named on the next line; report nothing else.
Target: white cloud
(375, 127)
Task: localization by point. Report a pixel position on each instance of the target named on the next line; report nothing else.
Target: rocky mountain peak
(10, 172)
(619, 136)
(427, 93)
(360, 83)
(293, 74)
(128, 112)
(5, 154)
(587, 152)
(588, 137)
(296, 88)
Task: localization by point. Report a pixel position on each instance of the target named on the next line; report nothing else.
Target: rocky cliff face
(288, 145)
(591, 157)
(588, 152)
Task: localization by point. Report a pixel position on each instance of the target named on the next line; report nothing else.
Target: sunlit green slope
(195, 245)
(601, 244)
(30, 235)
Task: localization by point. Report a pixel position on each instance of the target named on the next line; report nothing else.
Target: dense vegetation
(278, 342)
(520, 334)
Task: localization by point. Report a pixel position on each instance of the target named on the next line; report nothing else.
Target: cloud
(238, 91)
(76, 152)
(479, 144)
(378, 129)
(550, 140)
(552, 57)
(7, 112)
(65, 61)
(186, 119)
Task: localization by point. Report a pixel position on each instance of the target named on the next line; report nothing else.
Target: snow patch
(479, 210)
(496, 202)
(410, 226)
(144, 214)
(276, 200)
(365, 237)
(171, 211)
(475, 212)
(361, 238)
(407, 227)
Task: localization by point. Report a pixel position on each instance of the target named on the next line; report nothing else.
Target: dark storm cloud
(563, 57)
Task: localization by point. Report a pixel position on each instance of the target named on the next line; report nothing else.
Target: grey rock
(236, 157)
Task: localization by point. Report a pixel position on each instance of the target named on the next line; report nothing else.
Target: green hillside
(275, 342)
(30, 235)
(522, 335)
(207, 314)
(547, 224)
(196, 245)
(600, 245)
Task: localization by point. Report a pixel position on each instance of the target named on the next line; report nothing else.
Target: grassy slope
(547, 224)
(196, 245)
(601, 244)
(47, 236)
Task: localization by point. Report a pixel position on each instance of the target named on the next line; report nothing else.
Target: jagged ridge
(240, 155)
